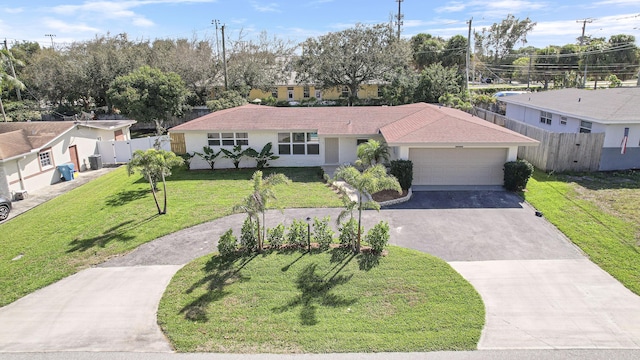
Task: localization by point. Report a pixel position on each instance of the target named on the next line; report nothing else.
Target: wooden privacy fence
(557, 151)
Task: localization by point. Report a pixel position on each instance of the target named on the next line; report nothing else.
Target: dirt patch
(387, 195)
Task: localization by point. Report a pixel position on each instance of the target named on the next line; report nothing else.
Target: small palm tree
(256, 203)
(154, 165)
(372, 152)
(370, 181)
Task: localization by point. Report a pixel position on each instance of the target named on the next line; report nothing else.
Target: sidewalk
(37, 197)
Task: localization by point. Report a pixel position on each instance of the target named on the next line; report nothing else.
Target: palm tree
(6, 79)
(154, 165)
(256, 203)
(372, 152)
(370, 181)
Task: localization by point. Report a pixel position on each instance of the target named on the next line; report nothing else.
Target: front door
(73, 154)
(331, 151)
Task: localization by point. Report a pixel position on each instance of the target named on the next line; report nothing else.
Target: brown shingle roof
(17, 138)
(412, 123)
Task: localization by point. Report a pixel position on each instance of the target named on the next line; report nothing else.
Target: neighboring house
(301, 92)
(614, 112)
(447, 146)
(30, 151)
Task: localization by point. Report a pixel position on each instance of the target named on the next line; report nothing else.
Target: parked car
(5, 208)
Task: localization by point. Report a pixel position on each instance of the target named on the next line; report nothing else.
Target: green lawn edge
(608, 241)
(115, 213)
(323, 302)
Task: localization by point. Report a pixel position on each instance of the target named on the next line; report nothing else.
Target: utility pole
(51, 36)
(529, 73)
(216, 23)
(400, 16)
(468, 59)
(584, 26)
(13, 71)
(224, 60)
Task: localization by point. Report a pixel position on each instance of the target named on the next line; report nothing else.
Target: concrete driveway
(539, 290)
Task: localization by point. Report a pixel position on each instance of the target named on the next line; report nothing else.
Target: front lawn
(599, 212)
(296, 302)
(116, 213)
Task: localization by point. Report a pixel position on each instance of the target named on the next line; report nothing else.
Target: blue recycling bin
(66, 170)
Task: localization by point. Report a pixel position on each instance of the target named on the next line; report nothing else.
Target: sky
(66, 21)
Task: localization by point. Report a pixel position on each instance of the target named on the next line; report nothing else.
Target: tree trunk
(164, 190)
(153, 191)
(357, 247)
(258, 228)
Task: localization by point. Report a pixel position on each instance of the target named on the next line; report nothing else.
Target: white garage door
(458, 166)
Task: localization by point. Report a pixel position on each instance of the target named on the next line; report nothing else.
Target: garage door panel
(458, 166)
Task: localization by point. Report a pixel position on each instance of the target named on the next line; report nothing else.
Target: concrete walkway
(539, 290)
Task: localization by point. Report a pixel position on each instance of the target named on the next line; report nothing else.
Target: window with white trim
(306, 92)
(298, 143)
(318, 94)
(46, 159)
(228, 139)
(545, 117)
(585, 127)
(345, 91)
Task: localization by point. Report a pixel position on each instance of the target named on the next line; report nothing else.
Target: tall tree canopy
(351, 57)
(149, 95)
(500, 39)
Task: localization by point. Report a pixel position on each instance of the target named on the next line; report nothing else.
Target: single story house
(30, 151)
(614, 112)
(447, 146)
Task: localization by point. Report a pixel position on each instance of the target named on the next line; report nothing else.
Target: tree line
(83, 75)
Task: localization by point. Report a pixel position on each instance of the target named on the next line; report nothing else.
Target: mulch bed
(387, 195)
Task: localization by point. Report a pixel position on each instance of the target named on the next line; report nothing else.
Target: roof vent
(579, 99)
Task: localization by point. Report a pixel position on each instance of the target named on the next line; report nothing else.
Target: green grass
(116, 213)
(295, 302)
(600, 213)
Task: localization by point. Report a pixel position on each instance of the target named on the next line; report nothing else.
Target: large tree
(426, 50)
(149, 95)
(155, 165)
(351, 57)
(7, 81)
(436, 81)
(500, 38)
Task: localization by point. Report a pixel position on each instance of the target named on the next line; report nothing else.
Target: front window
(345, 91)
(585, 127)
(545, 117)
(298, 143)
(306, 93)
(228, 139)
(46, 159)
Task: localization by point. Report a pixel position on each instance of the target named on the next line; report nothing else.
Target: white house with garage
(614, 112)
(31, 151)
(447, 146)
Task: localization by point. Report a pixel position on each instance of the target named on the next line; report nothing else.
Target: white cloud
(271, 7)
(454, 6)
(13, 10)
(618, 2)
(65, 27)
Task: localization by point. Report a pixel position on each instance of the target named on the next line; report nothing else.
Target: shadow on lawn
(604, 180)
(117, 233)
(222, 272)
(124, 197)
(315, 291)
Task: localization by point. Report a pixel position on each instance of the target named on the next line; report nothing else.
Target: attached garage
(458, 166)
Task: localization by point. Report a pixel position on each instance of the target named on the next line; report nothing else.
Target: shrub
(378, 236)
(275, 236)
(298, 233)
(517, 174)
(349, 232)
(227, 244)
(248, 234)
(403, 171)
(322, 233)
